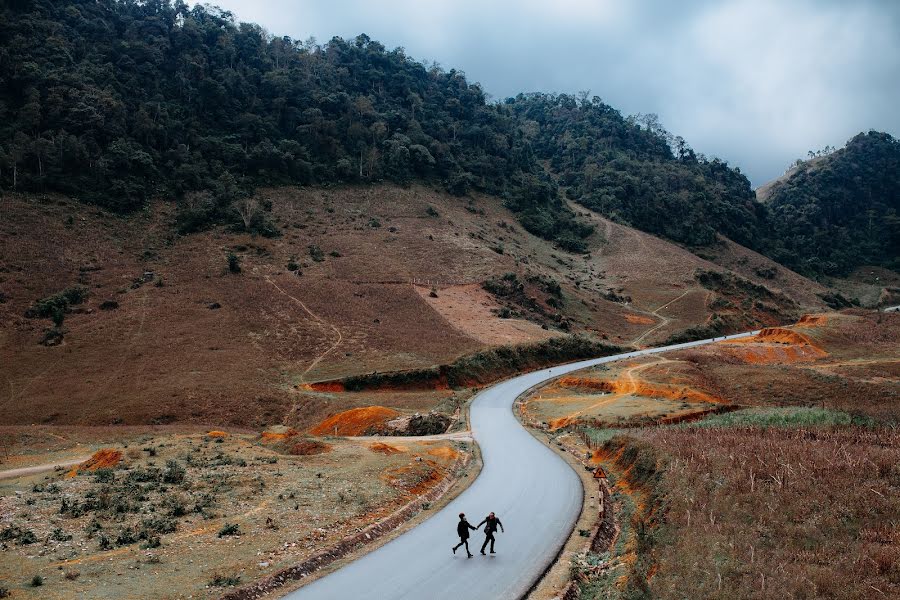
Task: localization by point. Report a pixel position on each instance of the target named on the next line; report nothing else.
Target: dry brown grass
(780, 514)
(165, 356)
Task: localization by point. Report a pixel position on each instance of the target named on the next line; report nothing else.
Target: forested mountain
(841, 211)
(117, 101)
(635, 171)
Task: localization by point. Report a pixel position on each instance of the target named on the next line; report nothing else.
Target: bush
(234, 263)
(27, 538)
(316, 253)
(59, 303)
(220, 580)
(174, 472)
(229, 529)
(104, 476)
(37, 581)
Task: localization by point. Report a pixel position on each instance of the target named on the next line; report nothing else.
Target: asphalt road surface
(534, 492)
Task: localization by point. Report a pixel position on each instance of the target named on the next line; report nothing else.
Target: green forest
(840, 211)
(115, 102)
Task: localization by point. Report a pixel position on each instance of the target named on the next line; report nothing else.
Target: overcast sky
(756, 82)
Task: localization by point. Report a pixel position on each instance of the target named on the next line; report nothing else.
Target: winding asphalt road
(534, 491)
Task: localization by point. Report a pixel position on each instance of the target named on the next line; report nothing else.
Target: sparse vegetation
(57, 305)
(487, 366)
(221, 580)
(234, 263)
(229, 529)
(316, 254)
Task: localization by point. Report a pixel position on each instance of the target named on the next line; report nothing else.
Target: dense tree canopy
(118, 101)
(840, 211)
(115, 101)
(636, 172)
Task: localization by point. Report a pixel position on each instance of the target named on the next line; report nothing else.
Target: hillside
(132, 102)
(840, 211)
(361, 279)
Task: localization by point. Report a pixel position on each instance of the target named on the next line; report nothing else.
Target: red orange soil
(639, 319)
(105, 458)
(309, 447)
(278, 435)
(355, 421)
(383, 448)
(777, 345)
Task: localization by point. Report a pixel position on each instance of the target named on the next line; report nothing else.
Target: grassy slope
(164, 356)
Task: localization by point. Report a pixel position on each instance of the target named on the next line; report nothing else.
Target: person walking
(462, 529)
(491, 522)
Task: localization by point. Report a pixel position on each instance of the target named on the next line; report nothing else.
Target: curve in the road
(534, 491)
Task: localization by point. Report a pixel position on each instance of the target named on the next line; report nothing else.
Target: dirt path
(665, 320)
(23, 471)
(339, 338)
(458, 436)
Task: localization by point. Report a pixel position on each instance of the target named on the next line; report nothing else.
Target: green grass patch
(780, 417)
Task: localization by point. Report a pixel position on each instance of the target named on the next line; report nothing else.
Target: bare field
(173, 515)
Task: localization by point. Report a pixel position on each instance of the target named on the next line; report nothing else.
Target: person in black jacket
(490, 526)
(462, 529)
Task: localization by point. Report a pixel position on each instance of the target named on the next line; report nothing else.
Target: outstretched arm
(480, 524)
(470, 526)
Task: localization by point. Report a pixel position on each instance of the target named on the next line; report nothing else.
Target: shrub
(174, 472)
(234, 263)
(220, 580)
(61, 301)
(27, 537)
(37, 581)
(155, 526)
(316, 253)
(52, 337)
(431, 212)
(229, 529)
(104, 476)
(126, 537)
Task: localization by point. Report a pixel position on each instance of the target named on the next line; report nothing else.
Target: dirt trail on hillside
(36, 469)
(665, 320)
(339, 338)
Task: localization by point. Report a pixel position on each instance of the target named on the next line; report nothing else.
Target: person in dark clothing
(462, 529)
(491, 522)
